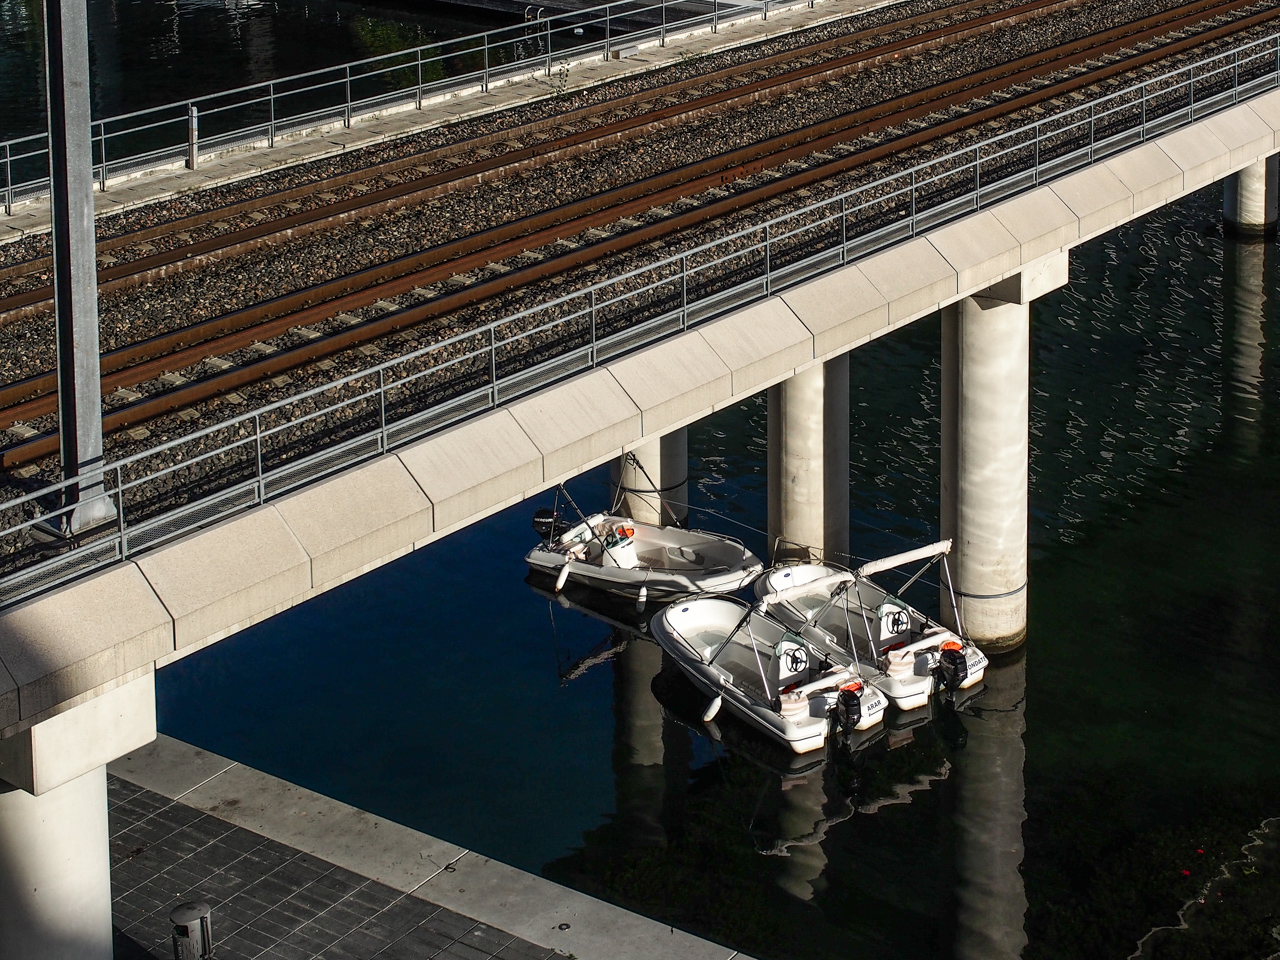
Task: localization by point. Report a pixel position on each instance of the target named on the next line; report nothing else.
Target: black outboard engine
(548, 524)
(849, 706)
(952, 666)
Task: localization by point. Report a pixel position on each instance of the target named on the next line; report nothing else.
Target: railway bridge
(201, 536)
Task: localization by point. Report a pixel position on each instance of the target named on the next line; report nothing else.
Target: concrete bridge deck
(102, 638)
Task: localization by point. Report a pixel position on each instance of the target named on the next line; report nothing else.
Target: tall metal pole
(75, 272)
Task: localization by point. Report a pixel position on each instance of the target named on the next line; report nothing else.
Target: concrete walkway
(293, 875)
(33, 216)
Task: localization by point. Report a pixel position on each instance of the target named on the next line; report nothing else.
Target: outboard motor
(548, 524)
(849, 705)
(952, 665)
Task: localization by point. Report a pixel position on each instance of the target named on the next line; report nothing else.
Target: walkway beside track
(293, 875)
(244, 163)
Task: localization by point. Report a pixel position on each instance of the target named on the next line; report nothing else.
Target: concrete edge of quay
(422, 866)
(247, 161)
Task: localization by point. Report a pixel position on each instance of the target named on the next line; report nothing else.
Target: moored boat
(640, 560)
(904, 653)
(785, 684)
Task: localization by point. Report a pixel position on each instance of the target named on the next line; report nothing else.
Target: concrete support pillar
(654, 480)
(75, 270)
(986, 394)
(809, 463)
(639, 775)
(55, 871)
(991, 901)
(1250, 198)
(801, 817)
(985, 411)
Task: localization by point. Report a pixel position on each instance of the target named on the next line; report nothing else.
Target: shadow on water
(1098, 784)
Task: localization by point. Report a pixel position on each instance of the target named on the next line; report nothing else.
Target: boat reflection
(860, 821)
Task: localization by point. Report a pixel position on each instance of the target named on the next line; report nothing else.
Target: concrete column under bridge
(991, 900)
(986, 342)
(653, 480)
(1251, 198)
(55, 867)
(809, 464)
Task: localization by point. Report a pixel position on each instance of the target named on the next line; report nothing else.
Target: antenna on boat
(662, 503)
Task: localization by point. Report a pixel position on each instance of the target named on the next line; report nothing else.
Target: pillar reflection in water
(1246, 300)
(990, 897)
(637, 751)
(800, 819)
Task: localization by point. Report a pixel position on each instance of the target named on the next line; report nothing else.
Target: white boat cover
(831, 580)
(898, 559)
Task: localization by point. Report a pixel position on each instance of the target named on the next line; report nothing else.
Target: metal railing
(183, 132)
(177, 487)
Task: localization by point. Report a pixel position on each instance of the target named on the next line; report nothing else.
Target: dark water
(1130, 751)
(149, 52)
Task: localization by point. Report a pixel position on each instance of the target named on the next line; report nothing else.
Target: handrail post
(765, 16)
(193, 136)
(419, 98)
(1191, 91)
(486, 63)
(592, 301)
(844, 228)
(608, 30)
(913, 201)
(768, 263)
(977, 177)
(684, 292)
(271, 117)
(257, 442)
(382, 407)
(124, 543)
(8, 183)
(548, 32)
(662, 37)
(493, 363)
(346, 120)
(715, 15)
(102, 146)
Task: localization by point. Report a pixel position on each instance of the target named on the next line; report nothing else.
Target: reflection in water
(1247, 302)
(800, 819)
(638, 749)
(991, 900)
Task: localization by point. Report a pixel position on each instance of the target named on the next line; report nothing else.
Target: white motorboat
(902, 652)
(640, 560)
(783, 683)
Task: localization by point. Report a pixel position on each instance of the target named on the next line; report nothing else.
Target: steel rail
(187, 256)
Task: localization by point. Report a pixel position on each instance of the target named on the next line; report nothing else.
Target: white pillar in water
(1250, 197)
(986, 393)
(55, 871)
(809, 463)
(655, 484)
(991, 900)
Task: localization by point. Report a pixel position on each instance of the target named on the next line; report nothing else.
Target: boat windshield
(753, 667)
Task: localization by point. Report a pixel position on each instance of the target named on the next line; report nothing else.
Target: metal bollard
(193, 137)
(192, 935)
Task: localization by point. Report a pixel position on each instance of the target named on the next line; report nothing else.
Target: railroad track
(141, 362)
(428, 184)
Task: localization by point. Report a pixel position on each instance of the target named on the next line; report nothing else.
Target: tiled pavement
(269, 900)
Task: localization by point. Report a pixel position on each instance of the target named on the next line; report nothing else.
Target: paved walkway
(33, 217)
(292, 874)
(269, 900)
